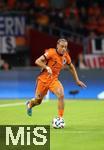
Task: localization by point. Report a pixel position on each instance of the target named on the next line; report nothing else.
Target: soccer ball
(58, 123)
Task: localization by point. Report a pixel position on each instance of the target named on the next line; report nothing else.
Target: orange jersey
(56, 62)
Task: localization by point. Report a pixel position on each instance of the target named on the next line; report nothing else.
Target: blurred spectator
(76, 50)
(78, 16)
(53, 16)
(3, 64)
(82, 64)
(72, 11)
(11, 4)
(42, 3)
(91, 24)
(94, 10)
(87, 42)
(42, 19)
(58, 4)
(100, 28)
(2, 5)
(83, 14)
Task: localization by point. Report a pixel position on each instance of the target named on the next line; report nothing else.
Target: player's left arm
(75, 75)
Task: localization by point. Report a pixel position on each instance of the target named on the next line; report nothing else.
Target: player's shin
(61, 106)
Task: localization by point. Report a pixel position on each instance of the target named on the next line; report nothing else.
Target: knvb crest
(64, 61)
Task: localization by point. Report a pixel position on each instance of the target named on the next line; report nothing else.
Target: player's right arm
(41, 61)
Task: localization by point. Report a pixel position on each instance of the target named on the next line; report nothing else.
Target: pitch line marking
(16, 104)
(12, 104)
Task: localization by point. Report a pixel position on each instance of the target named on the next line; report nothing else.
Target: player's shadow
(74, 93)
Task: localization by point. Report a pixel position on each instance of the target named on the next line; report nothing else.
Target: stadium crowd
(79, 16)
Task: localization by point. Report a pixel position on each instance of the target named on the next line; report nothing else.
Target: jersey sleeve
(48, 54)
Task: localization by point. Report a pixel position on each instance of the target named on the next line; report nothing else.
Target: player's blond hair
(62, 40)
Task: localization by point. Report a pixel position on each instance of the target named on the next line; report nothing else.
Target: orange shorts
(55, 87)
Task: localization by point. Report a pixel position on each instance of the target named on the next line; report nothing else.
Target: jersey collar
(58, 52)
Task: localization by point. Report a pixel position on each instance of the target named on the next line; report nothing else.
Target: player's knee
(60, 93)
(61, 96)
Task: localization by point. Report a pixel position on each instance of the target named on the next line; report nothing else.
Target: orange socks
(60, 112)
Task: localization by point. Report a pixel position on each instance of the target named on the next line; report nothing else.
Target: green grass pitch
(84, 120)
